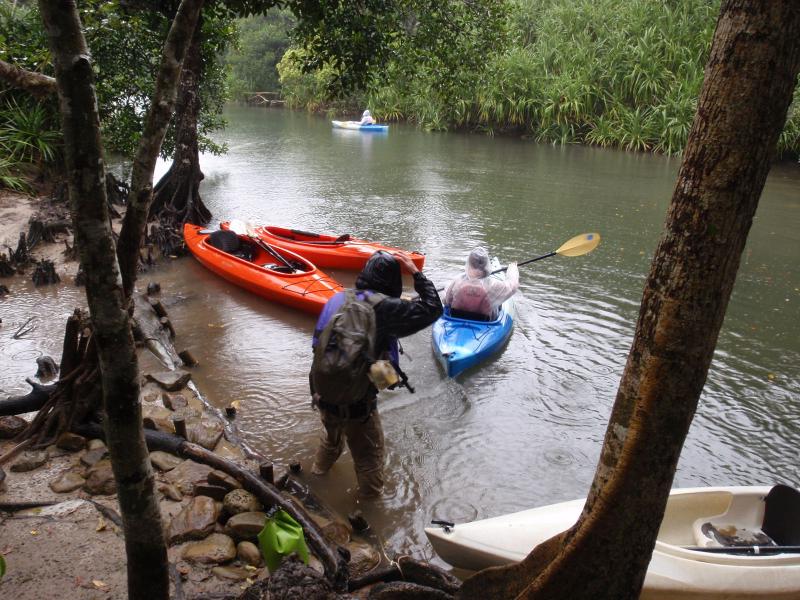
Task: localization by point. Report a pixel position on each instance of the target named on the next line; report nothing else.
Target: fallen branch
(33, 400)
(335, 565)
(34, 83)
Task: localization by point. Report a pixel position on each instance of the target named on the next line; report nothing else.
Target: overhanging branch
(32, 82)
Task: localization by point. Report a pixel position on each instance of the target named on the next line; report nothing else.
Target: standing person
(474, 295)
(366, 118)
(372, 317)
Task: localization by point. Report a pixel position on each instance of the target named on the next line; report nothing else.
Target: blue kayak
(355, 125)
(463, 343)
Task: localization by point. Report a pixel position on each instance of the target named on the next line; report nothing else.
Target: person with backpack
(474, 295)
(356, 351)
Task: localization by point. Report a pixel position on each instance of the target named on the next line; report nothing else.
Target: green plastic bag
(281, 536)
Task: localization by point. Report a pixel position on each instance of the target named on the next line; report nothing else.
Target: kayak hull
(324, 250)
(357, 126)
(675, 570)
(308, 290)
(460, 344)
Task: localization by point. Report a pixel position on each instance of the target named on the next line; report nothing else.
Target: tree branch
(32, 82)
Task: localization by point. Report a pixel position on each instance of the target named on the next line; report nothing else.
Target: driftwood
(33, 400)
(383, 574)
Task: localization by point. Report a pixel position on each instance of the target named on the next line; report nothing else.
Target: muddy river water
(526, 428)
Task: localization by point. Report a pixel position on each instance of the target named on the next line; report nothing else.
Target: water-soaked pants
(364, 438)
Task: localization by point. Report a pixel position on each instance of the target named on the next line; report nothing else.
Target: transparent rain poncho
(366, 118)
(474, 291)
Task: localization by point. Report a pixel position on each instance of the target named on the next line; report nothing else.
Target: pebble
(71, 441)
(170, 491)
(217, 548)
(171, 381)
(223, 480)
(95, 444)
(164, 460)
(248, 553)
(100, 479)
(231, 573)
(92, 457)
(241, 501)
(195, 521)
(11, 426)
(68, 481)
(29, 460)
(247, 525)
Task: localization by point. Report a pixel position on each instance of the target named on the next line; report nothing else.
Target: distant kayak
(356, 125)
(461, 343)
(285, 277)
(327, 251)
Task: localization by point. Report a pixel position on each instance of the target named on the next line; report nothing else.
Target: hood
(381, 274)
(478, 263)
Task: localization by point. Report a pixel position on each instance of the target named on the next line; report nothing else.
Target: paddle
(577, 246)
(249, 231)
(750, 550)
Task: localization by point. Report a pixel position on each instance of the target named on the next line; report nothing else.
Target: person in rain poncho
(366, 118)
(476, 295)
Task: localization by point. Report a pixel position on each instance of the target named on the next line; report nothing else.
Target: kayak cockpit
(265, 257)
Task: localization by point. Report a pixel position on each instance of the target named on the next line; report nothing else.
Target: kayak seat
(343, 238)
(782, 515)
(224, 240)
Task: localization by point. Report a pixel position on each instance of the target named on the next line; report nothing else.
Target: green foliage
(126, 46)
(2, 566)
(604, 72)
(252, 61)
(28, 131)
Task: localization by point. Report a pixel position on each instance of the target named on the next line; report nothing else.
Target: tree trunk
(177, 195)
(32, 82)
(181, 34)
(748, 87)
(144, 539)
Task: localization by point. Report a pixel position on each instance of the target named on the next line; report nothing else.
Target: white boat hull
(675, 572)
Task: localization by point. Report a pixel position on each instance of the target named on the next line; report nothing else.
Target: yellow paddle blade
(579, 245)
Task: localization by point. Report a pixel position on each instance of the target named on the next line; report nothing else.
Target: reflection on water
(525, 429)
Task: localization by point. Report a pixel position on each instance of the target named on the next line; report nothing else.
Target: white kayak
(356, 125)
(714, 542)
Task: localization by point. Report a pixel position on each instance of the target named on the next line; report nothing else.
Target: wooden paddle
(577, 246)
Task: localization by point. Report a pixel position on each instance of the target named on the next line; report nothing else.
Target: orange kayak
(328, 251)
(282, 277)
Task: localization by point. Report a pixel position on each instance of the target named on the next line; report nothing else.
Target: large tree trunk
(177, 195)
(144, 538)
(748, 87)
(181, 34)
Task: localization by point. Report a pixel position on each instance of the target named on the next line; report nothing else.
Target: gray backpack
(345, 351)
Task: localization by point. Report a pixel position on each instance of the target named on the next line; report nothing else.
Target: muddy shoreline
(60, 528)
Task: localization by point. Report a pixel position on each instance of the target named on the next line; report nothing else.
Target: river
(526, 428)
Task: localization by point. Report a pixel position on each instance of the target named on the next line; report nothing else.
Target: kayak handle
(447, 526)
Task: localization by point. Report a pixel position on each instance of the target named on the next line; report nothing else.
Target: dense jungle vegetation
(601, 72)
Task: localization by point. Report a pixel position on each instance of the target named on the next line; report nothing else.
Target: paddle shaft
(269, 249)
(752, 550)
(526, 262)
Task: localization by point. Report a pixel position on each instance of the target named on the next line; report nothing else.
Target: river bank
(60, 527)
